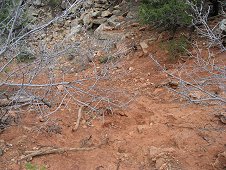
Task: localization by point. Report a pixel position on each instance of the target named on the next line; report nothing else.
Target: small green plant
(177, 47)
(105, 59)
(25, 56)
(30, 166)
(6, 70)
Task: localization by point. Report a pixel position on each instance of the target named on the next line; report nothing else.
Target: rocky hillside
(100, 26)
(93, 88)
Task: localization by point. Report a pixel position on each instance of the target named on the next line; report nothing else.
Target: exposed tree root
(29, 155)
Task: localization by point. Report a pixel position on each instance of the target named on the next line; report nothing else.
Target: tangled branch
(36, 77)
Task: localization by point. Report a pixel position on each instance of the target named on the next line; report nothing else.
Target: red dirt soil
(156, 131)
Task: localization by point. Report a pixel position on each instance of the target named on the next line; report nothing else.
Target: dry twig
(79, 118)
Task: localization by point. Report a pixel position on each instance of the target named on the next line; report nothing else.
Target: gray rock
(222, 25)
(31, 27)
(116, 12)
(87, 19)
(117, 7)
(67, 23)
(131, 15)
(37, 2)
(99, 21)
(103, 32)
(114, 21)
(75, 22)
(42, 36)
(75, 30)
(144, 46)
(106, 13)
(96, 14)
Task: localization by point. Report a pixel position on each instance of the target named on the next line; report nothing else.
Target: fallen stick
(46, 151)
(78, 119)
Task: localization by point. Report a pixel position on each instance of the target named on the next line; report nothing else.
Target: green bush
(168, 14)
(7, 13)
(6, 7)
(104, 59)
(25, 56)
